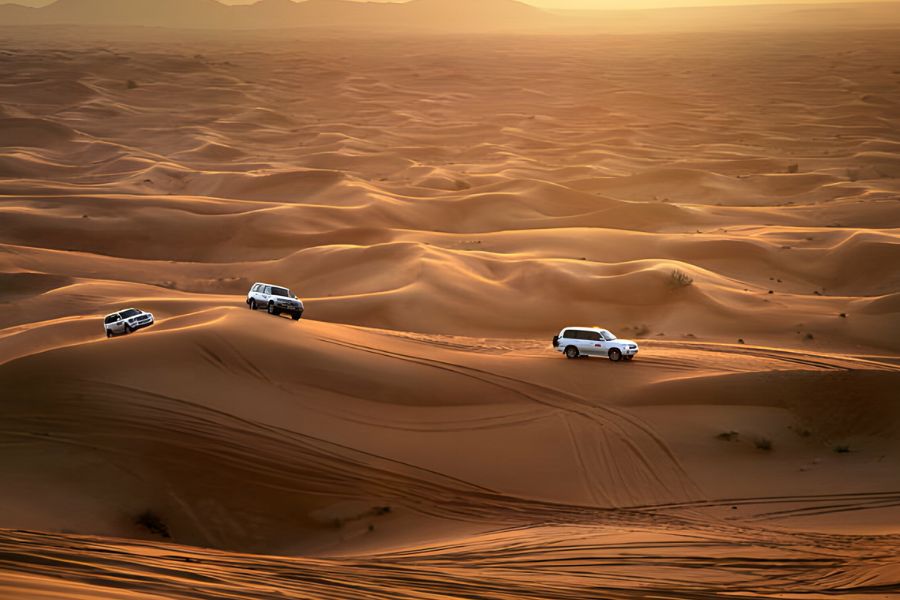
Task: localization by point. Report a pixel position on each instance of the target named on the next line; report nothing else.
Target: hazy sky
(615, 4)
(621, 4)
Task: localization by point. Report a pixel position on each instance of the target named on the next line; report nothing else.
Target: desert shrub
(153, 523)
(131, 84)
(762, 443)
(681, 279)
(793, 168)
(640, 330)
(801, 431)
(842, 448)
(728, 436)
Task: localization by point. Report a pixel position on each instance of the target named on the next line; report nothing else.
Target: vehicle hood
(287, 299)
(625, 342)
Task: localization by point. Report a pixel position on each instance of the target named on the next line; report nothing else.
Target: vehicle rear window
(130, 313)
(111, 319)
(277, 291)
(569, 334)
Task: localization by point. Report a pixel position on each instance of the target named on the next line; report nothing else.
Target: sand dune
(444, 205)
(351, 450)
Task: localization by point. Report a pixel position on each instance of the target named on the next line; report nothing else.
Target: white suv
(126, 321)
(275, 299)
(593, 341)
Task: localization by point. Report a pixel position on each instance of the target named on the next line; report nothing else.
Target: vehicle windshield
(130, 313)
(277, 291)
(608, 336)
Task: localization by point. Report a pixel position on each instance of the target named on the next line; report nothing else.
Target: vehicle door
(265, 292)
(581, 341)
(118, 324)
(594, 343)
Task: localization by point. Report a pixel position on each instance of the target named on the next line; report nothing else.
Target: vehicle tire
(271, 308)
(108, 333)
(571, 352)
(252, 304)
(295, 316)
(615, 355)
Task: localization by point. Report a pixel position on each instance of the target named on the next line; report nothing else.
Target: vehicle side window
(255, 288)
(592, 335)
(109, 319)
(581, 335)
(569, 334)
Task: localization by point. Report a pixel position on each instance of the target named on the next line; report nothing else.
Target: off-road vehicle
(126, 321)
(275, 299)
(575, 342)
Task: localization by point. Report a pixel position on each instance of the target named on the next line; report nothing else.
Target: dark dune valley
(722, 190)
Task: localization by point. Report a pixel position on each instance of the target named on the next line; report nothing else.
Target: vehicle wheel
(271, 308)
(128, 329)
(108, 333)
(252, 304)
(571, 352)
(615, 355)
(295, 316)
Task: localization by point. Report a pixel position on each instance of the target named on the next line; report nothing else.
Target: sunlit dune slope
(474, 189)
(431, 458)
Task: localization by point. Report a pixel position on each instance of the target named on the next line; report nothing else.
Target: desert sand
(444, 205)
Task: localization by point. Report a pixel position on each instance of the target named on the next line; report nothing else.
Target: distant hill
(466, 15)
(446, 15)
